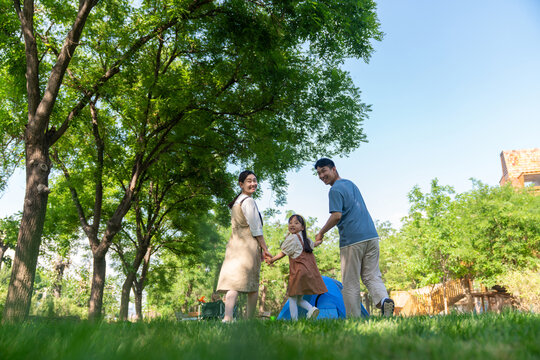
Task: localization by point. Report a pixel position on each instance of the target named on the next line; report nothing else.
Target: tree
(166, 215)
(394, 259)
(38, 138)
(502, 226)
(430, 228)
(252, 83)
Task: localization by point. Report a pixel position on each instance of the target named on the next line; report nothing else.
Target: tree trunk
(38, 139)
(188, 295)
(3, 249)
(59, 267)
(445, 297)
(98, 285)
(466, 284)
(137, 293)
(124, 299)
(21, 284)
(131, 278)
(141, 283)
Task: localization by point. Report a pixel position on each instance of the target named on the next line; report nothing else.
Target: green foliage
(494, 336)
(524, 285)
(75, 292)
(5, 274)
(176, 281)
(431, 226)
(485, 234)
(9, 228)
(392, 261)
(256, 85)
(12, 92)
(62, 227)
(502, 225)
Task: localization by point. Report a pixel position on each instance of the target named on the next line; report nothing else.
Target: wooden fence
(460, 294)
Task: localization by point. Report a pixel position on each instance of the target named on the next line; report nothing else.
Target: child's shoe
(313, 313)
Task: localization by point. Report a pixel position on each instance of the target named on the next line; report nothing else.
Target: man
(358, 241)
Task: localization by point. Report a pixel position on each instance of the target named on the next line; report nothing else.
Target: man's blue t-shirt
(356, 224)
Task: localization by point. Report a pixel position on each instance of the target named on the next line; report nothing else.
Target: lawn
(510, 335)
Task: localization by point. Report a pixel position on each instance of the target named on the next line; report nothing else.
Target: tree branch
(58, 71)
(26, 17)
(74, 195)
(98, 175)
(113, 70)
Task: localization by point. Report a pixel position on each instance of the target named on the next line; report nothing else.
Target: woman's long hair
(241, 178)
(307, 247)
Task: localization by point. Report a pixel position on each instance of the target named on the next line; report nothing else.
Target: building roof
(518, 163)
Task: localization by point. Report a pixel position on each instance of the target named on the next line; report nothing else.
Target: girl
(304, 276)
(242, 265)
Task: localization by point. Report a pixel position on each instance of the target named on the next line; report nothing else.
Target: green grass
(509, 335)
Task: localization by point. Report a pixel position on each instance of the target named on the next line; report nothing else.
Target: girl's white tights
(294, 302)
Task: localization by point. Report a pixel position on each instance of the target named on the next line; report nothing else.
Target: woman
(246, 249)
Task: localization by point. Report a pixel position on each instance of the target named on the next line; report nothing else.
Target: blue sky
(452, 85)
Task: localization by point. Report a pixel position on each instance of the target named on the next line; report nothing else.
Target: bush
(525, 287)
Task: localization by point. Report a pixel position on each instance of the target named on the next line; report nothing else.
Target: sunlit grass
(510, 335)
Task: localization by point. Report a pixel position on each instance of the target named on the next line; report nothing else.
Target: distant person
(358, 241)
(245, 250)
(304, 275)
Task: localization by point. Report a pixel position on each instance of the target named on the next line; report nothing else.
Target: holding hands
(266, 256)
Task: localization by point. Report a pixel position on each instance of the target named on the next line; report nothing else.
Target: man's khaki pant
(361, 260)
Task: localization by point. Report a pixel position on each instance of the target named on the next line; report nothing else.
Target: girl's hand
(317, 243)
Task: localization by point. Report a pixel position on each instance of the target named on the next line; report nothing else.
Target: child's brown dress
(304, 275)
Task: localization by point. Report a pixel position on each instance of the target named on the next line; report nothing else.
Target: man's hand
(318, 239)
(332, 221)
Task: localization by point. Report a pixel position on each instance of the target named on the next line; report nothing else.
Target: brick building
(521, 167)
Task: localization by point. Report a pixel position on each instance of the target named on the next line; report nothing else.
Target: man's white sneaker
(313, 313)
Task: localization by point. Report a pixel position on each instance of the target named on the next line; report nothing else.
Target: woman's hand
(265, 255)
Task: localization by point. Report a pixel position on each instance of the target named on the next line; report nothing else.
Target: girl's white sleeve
(249, 207)
(291, 246)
